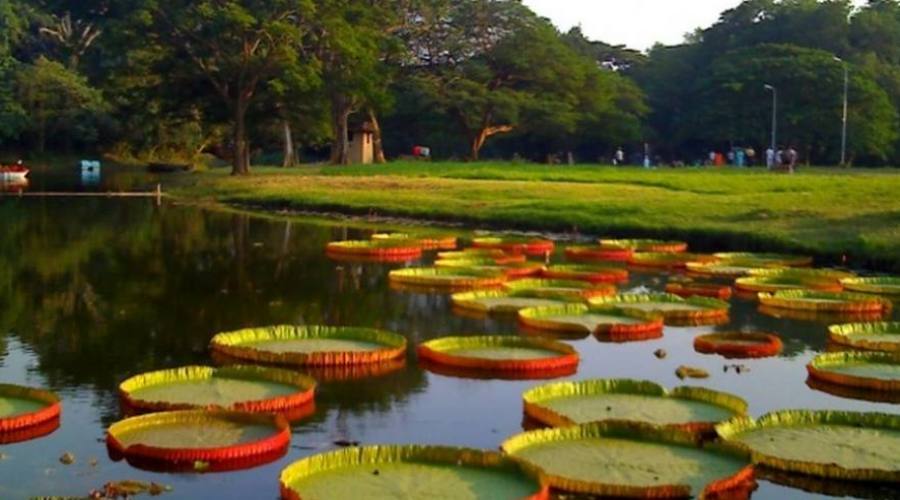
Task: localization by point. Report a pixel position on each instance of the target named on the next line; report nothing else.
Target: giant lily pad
(386, 248)
(590, 273)
(816, 274)
(180, 440)
(501, 302)
(868, 336)
(832, 444)
(599, 253)
(645, 245)
(447, 277)
(825, 301)
(672, 307)
(785, 282)
(692, 289)
(824, 317)
(739, 344)
(27, 413)
(240, 388)
(866, 370)
(624, 459)
(560, 289)
(511, 270)
(688, 408)
(500, 353)
(478, 253)
(882, 286)
(391, 472)
(426, 241)
(608, 323)
(764, 259)
(310, 345)
(529, 246)
(719, 269)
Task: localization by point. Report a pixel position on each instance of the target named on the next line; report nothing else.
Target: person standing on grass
(770, 158)
(619, 158)
(791, 159)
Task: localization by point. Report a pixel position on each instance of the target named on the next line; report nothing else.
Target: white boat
(14, 173)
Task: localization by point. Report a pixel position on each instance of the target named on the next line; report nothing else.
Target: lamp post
(774, 115)
(844, 118)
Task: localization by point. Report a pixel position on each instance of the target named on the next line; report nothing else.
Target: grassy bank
(828, 213)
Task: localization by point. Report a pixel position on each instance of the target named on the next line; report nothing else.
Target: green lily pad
(626, 459)
(391, 472)
(868, 336)
(689, 408)
(832, 444)
(883, 286)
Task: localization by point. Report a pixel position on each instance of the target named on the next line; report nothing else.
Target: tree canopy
(277, 81)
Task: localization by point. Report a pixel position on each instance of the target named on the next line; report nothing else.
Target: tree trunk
(241, 162)
(290, 155)
(377, 146)
(340, 113)
(483, 135)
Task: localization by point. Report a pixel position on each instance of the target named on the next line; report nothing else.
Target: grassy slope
(826, 212)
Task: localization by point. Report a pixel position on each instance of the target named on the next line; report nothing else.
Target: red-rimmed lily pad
(717, 269)
(607, 324)
(824, 317)
(586, 272)
(447, 278)
(27, 413)
(881, 336)
(785, 282)
(739, 344)
(560, 289)
(501, 302)
(816, 274)
(689, 408)
(674, 309)
(764, 259)
(426, 241)
(512, 270)
(831, 444)
(528, 246)
(648, 245)
(377, 249)
(666, 260)
(391, 472)
(310, 345)
(882, 285)
(825, 301)
(693, 289)
(477, 253)
(239, 388)
(501, 354)
(626, 459)
(599, 253)
(878, 371)
(201, 441)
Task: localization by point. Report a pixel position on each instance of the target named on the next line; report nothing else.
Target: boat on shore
(13, 173)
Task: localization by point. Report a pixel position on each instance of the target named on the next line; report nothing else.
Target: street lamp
(844, 119)
(774, 115)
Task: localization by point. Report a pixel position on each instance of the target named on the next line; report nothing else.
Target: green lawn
(825, 212)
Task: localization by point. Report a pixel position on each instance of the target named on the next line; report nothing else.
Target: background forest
(284, 81)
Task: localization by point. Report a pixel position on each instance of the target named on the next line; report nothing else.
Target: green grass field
(825, 212)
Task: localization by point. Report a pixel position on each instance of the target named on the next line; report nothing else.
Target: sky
(636, 23)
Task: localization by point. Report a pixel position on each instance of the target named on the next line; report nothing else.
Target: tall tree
(236, 46)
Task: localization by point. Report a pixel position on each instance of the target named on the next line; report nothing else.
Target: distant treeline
(284, 81)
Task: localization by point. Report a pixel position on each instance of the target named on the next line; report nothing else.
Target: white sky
(635, 23)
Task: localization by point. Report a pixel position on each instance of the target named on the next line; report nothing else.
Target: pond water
(93, 291)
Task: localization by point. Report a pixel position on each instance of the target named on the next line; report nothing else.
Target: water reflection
(93, 291)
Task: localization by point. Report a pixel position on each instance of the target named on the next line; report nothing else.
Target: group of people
(740, 157)
(782, 158)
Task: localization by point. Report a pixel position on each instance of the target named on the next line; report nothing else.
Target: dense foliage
(285, 80)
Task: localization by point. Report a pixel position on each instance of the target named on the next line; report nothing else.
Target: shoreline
(698, 240)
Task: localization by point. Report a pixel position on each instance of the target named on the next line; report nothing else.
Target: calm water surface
(93, 291)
